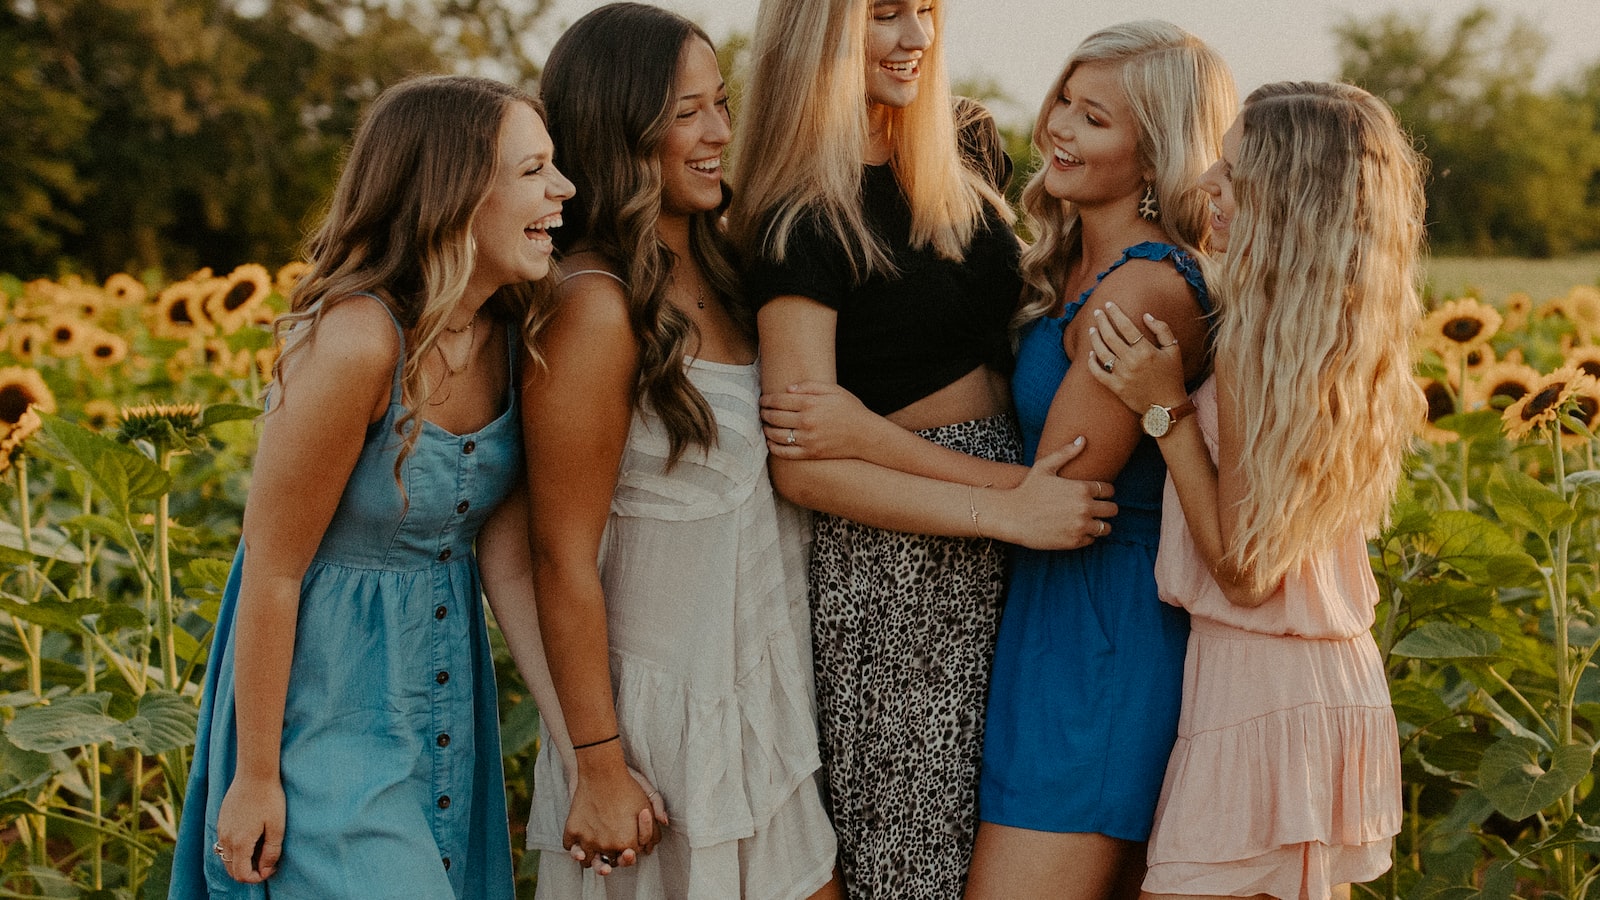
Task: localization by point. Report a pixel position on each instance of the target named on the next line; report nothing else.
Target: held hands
(615, 813)
(1140, 372)
(250, 829)
(816, 420)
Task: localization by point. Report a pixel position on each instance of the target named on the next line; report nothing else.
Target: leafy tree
(203, 132)
(1505, 155)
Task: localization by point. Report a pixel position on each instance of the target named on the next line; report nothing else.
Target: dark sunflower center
(104, 351)
(14, 401)
(178, 312)
(1590, 367)
(62, 334)
(1462, 329)
(1510, 389)
(1585, 412)
(1440, 403)
(238, 296)
(1542, 402)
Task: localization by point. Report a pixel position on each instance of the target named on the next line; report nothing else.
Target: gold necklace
(471, 324)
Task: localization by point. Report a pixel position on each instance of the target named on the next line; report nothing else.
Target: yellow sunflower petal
(1500, 384)
(1462, 323)
(21, 389)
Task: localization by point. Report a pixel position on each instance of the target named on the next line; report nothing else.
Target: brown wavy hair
(399, 225)
(608, 86)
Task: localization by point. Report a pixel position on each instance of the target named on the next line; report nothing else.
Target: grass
(1492, 278)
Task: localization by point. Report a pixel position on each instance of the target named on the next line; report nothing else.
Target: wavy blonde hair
(802, 130)
(609, 88)
(1182, 98)
(1318, 302)
(399, 225)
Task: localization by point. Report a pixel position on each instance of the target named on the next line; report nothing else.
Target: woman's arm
(333, 388)
(576, 410)
(797, 336)
(1082, 405)
(506, 563)
(1151, 372)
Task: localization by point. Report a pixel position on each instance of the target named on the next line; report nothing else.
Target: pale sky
(1021, 44)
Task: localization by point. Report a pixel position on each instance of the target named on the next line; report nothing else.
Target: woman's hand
(817, 420)
(1046, 511)
(1139, 371)
(250, 828)
(613, 816)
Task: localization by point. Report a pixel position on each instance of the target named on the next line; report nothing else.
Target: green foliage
(1505, 156)
(154, 134)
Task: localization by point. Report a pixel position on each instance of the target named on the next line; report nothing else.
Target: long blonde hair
(608, 86)
(1182, 98)
(399, 225)
(1318, 301)
(803, 126)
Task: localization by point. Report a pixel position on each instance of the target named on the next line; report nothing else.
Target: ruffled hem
(1282, 741)
(724, 764)
(1307, 871)
(790, 857)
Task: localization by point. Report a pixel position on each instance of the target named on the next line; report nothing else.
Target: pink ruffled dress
(1285, 779)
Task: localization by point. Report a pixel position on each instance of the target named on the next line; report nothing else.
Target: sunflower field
(125, 446)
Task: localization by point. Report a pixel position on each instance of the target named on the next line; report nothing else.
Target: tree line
(164, 135)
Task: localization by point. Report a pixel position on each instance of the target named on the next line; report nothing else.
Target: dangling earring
(1148, 210)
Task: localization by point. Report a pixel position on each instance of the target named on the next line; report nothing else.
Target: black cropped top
(903, 337)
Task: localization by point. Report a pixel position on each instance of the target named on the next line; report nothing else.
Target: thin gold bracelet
(972, 507)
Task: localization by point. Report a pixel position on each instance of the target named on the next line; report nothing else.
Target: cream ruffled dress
(1285, 779)
(705, 582)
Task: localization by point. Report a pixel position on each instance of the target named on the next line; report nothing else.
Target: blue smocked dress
(391, 746)
(1088, 671)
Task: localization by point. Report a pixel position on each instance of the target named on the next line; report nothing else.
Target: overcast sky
(1021, 44)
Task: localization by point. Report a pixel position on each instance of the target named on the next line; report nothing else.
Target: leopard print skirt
(903, 628)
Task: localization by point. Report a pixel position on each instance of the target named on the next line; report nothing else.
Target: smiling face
(898, 31)
(1092, 140)
(512, 225)
(1217, 182)
(691, 152)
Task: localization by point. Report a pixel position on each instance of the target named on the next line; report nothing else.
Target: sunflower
(224, 361)
(178, 311)
(1582, 414)
(99, 414)
(1585, 357)
(13, 436)
(289, 276)
(1500, 384)
(21, 388)
(123, 289)
(102, 350)
(23, 395)
(65, 334)
(1519, 306)
(1542, 404)
(1458, 327)
(230, 305)
(1582, 307)
(1441, 403)
(26, 340)
(167, 424)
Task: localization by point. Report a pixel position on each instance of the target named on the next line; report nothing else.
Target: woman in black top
(885, 268)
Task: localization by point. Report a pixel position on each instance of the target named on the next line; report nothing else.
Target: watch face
(1157, 421)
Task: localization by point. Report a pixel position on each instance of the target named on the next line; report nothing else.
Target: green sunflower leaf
(1517, 780)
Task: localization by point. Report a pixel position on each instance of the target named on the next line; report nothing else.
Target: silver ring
(217, 849)
(1136, 340)
(791, 437)
(608, 860)
(1109, 364)
(1102, 530)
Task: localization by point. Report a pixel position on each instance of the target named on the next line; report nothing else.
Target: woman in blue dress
(1083, 703)
(348, 745)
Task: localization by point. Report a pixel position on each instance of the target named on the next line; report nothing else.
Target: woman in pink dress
(1285, 779)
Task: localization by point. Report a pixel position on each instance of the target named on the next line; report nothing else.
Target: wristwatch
(1158, 419)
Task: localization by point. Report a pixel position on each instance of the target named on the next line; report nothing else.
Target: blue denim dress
(391, 744)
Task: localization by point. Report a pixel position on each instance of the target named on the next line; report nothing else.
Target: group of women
(1080, 607)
